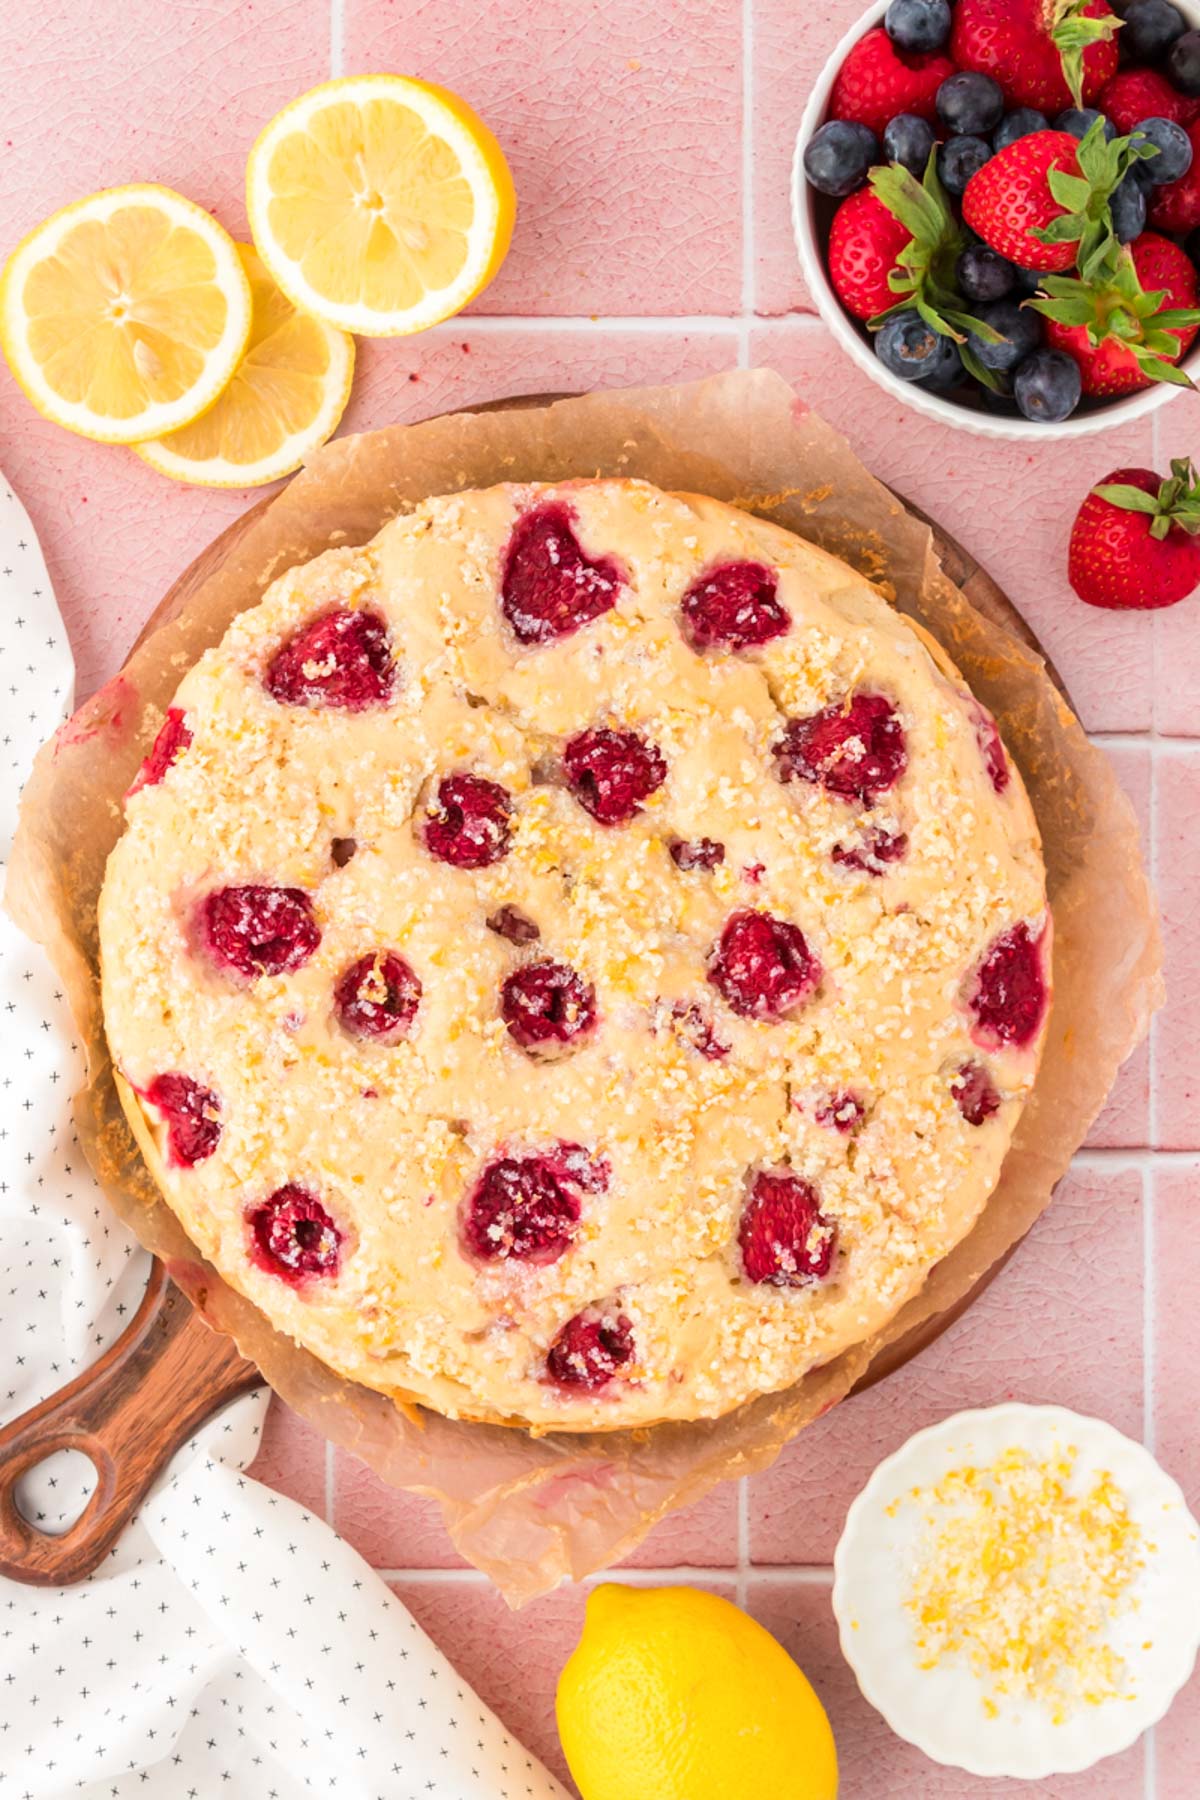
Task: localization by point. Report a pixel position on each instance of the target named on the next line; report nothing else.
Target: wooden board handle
(128, 1413)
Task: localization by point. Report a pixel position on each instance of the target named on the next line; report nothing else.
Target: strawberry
(1176, 206)
(877, 81)
(1025, 202)
(1137, 94)
(1130, 323)
(924, 271)
(1050, 54)
(1135, 542)
(865, 243)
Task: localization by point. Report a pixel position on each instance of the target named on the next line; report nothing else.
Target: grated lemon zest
(1021, 1570)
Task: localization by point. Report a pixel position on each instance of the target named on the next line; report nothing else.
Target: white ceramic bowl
(935, 406)
(940, 1709)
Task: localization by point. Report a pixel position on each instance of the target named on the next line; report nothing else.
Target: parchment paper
(529, 1511)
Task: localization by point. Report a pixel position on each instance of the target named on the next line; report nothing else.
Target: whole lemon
(674, 1694)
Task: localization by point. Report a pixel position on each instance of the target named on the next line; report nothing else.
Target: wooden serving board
(169, 1370)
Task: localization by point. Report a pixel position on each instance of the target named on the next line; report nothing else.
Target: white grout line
(1118, 1160)
(596, 324)
(678, 1575)
(748, 283)
(337, 37)
(1153, 740)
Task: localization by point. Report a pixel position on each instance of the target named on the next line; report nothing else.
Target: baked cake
(578, 960)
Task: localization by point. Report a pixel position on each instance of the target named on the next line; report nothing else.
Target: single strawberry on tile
(1048, 54)
(1130, 322)
(1135, 543)
(877, 81)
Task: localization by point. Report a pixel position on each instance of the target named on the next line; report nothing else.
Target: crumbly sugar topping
(1021, 1569)
(826, 954)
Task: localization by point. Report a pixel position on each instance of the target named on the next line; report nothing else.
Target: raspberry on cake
(578, 960)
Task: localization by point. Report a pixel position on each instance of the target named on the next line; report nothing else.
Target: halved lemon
(125, 314)
(286, 397)
(380, 203)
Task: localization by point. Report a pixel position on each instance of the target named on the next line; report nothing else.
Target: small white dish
(940, 1710)
(811, 250)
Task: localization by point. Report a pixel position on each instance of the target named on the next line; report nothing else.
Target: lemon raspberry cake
(578, 960)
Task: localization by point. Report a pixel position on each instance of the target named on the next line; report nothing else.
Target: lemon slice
(379, 203)
(286, 397)
(125, 314)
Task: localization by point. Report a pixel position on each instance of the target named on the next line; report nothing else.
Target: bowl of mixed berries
(997, 207)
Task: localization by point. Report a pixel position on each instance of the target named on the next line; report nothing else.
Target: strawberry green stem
(1177, 501)
(1072, 33)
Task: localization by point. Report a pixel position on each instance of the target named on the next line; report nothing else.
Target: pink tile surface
(654, 244)
(1176, 1229)
(791, 46)
(1079, 1268)
(1125, 1121)
(1175, 1039)
(292, 1458)
(465, 364)
(622, 124)
(1176, 1440)
(1177, 630)
(131, 90)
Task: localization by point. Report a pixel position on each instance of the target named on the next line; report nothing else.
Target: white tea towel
(231, 1644)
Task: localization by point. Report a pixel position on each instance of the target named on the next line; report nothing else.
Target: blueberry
(1128, 208)
(838, 155)
(958, 159)
(918, 25)
(983, 274)
(1047, 386)
(911, 349)
(1183, 64)
(970, 103)
(908, 140)
(1191, 244)
(947, 370)
(1019, 124)
(1078, 120)
(1174, 148)
(1151, 27)
(1020, 334)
